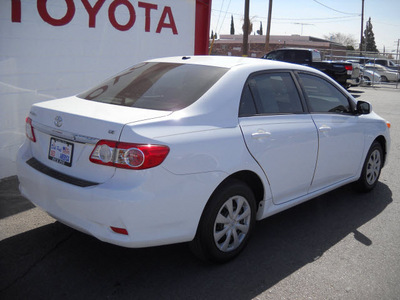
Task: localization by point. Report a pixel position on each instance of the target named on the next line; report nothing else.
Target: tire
(371, 169)
(367, 80)
(384, 79)
(226, 224)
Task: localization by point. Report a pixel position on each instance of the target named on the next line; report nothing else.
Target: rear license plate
(61, 151)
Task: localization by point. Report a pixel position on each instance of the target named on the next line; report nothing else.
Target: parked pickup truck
(342, 72)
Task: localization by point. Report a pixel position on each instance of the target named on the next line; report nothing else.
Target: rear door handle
(261, 134)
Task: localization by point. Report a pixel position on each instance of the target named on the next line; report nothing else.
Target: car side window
(272, 93)
(322, 96)
(247, 106)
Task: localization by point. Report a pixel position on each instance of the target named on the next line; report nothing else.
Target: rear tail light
(349, 68)
(128, 155)
(30, 134)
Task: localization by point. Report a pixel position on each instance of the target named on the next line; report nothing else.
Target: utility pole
(362, 27)
(246, 28)
(398, 63)
(268, 27)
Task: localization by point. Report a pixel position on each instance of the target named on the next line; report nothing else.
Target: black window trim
(296, 83)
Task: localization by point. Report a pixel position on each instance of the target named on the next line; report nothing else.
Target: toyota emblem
(58, 121)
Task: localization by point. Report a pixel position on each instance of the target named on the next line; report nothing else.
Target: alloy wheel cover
(373, 167)
(232, 224)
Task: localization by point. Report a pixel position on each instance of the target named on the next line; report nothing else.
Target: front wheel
(226, 223)
(367, 80)
(384, 79)
(371, 169)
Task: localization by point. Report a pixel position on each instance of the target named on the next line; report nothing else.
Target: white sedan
(369, 77)
(385, 73)
(196, 149)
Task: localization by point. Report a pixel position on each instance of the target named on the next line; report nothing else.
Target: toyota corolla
(196, 149)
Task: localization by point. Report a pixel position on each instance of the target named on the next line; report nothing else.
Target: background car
(385, 62)
(369, 77)
(196, 149)
(385, 73)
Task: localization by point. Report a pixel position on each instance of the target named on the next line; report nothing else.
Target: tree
(260, 32)
(346, 40)
(369, 38)
(212, 34)
(250, 27)
(232, 26)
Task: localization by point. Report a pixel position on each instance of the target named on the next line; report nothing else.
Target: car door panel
(286, 149)
(279, 135)
(341, 144)
(340, 133)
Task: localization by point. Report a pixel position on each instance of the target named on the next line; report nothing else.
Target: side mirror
(363, 108)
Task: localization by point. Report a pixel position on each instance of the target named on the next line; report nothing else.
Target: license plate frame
(61, 151)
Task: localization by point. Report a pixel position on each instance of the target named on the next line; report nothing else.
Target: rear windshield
(159, 86)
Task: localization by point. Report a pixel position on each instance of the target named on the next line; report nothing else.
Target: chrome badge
(58, 121)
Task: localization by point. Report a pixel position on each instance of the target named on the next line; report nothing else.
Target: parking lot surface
(342, 245)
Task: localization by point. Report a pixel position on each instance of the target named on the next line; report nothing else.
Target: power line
(342, 12)
(223, 20)
(313, 19)
(287, 19)
(220, 11)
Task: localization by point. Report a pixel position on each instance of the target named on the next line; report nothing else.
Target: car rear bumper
(154, 212)
(354, 81)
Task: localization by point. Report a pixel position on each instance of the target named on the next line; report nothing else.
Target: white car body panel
(208, 143)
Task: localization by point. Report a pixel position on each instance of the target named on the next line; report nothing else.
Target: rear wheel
(384, 79)
(226, 224)
(372, 168)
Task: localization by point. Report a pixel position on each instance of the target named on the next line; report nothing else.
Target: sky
(318, 18)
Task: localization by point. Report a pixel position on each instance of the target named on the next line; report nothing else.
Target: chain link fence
(371, 64)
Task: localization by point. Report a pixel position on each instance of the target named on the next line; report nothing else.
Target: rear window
(158, 86)
(291, 56)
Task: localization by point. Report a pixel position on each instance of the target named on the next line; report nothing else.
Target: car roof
(297, 49)
(375, 65)
(231, 62)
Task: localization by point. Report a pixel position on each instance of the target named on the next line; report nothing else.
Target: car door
(280, 136)
(341, 135)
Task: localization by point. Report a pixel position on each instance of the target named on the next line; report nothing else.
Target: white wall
(50, 50)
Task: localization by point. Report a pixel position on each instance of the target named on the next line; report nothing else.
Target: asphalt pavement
(342, 245)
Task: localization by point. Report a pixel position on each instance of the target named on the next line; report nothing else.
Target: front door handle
(324, 128)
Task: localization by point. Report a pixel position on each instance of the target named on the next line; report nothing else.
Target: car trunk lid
(66, 131)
